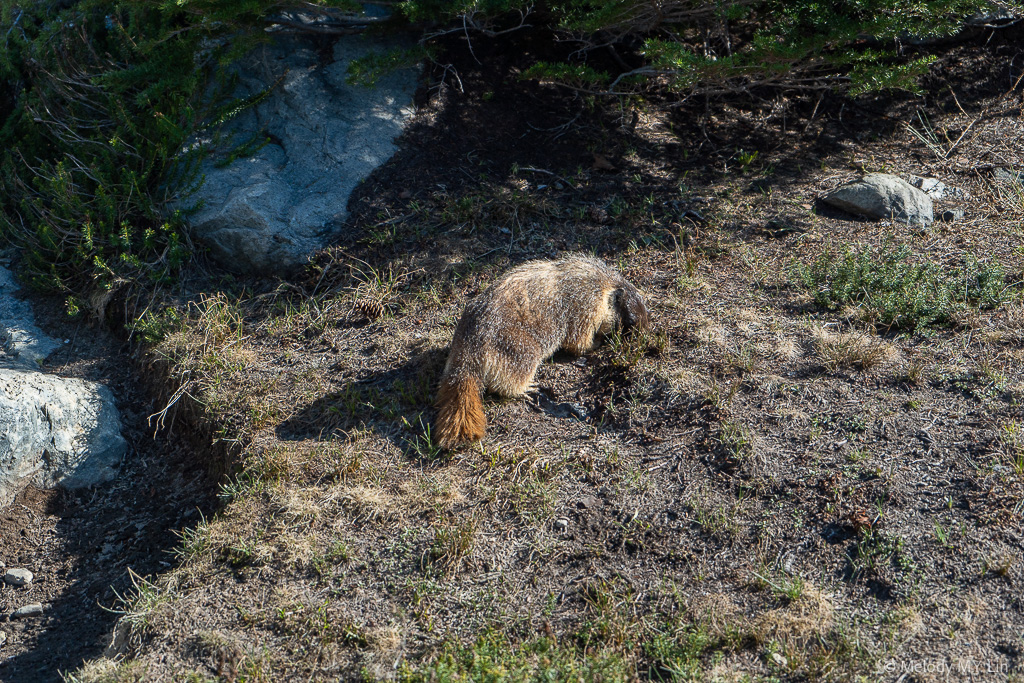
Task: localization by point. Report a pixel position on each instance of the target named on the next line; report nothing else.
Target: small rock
(31, 610)
(936, 189)
(18, 577)
(3, 638)
(933, 187)
(1006, 176)
(952, 215)
(880, 195)
(588, 503)
(561, 524)
(561, 410)
(779, 659)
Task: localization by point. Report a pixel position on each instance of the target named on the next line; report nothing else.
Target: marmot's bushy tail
(460, 411)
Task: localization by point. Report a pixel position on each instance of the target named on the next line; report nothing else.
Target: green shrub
(682, 47)
(896, 293)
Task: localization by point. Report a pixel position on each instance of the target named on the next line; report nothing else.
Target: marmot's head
(630, 309)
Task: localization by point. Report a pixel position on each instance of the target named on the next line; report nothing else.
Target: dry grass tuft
(297, 507)
(1008, 326)
(787, 348)
(748, 322)
(851, 350)
(108, 671)
(805, 619)
(717, 612)
(368, 503)
(684, 382)
(709, 332)
(435, 491)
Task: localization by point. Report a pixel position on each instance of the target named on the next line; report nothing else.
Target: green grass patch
(496, 657)
(894, 292)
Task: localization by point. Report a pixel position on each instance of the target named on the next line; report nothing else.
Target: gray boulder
(879, 195)
(54, 431)
(266, 213)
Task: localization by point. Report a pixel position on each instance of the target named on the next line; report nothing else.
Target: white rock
(55, 431)
(18, 577)
(936, 189)
(933, 187)
(879, 195)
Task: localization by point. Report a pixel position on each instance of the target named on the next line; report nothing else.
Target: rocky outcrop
(53, 430)
(267, 212)
(879, 195)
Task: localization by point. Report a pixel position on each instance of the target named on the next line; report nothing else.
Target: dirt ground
(766, 489)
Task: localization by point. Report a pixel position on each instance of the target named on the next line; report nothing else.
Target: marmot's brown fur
(508, 331)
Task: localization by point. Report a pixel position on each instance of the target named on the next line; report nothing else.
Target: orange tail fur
(460, 411)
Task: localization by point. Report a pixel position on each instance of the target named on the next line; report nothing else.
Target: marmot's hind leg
(511, 372)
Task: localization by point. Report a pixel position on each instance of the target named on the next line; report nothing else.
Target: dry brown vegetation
(764, 490)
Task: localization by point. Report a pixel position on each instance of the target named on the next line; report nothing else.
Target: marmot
(508, 331)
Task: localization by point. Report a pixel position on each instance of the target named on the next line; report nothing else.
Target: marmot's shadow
(379, 398)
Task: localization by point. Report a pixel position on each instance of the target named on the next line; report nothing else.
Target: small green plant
(783, 587)
(714, 520)
(743, 357)
(452, 545)
(1011, 440)
(195, 541)
(629, 347)
(496, 656)
(423, 445)
(746, 159)
(735, 438)
(368, 70)
(875, 551)
(896, 293)
(136, 607)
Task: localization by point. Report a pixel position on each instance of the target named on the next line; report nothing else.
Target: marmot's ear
(617, 308)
